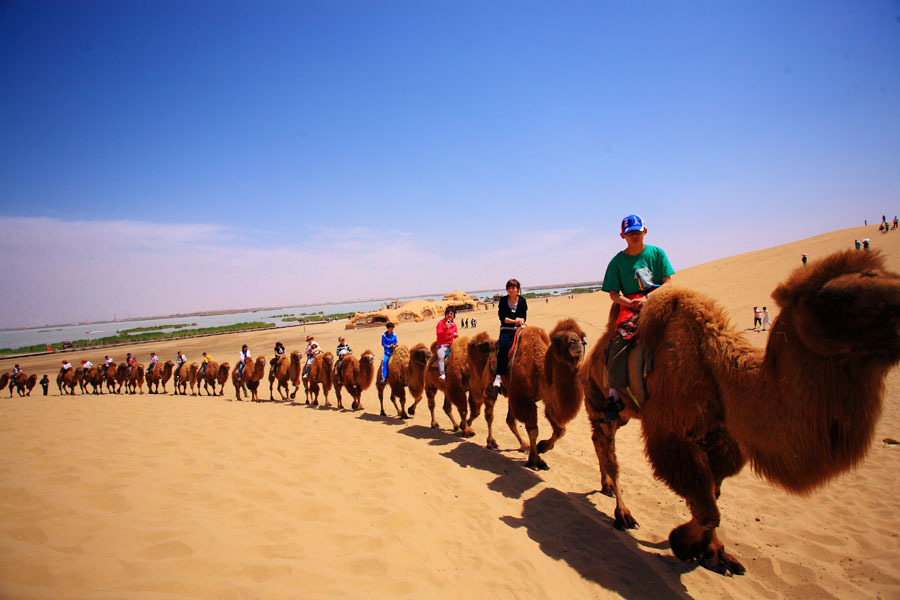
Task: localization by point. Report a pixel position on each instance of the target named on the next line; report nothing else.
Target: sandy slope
(174, 497)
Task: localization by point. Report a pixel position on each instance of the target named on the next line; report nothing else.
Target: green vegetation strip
(320, 317)
(141, 337)
(134, 330)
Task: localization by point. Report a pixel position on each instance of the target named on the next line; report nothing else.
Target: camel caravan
(800, 412)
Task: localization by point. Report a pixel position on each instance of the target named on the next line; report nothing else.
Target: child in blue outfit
(388, 342)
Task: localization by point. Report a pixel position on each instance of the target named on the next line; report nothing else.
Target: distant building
(415, 310)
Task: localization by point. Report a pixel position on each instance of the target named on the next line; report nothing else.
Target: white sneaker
(497, 381)
(443, 376)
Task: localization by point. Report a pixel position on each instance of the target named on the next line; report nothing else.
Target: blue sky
(274, 153)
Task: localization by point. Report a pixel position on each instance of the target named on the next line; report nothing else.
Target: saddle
(639, 366)
(512, 352)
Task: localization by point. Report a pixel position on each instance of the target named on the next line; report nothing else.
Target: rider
(388, 342)
(130, 361)
(310, 354)
(66, 365)
(446, 333)
(180, 359)
(245, 354)
(86, 364)
(512, 311)
(343, 349)
(206, 360)
(153, 360)
(106, 361)
(279, 352)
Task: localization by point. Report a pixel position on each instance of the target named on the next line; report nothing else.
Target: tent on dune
(415, 310)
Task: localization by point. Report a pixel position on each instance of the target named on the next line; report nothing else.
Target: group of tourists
(761, 319)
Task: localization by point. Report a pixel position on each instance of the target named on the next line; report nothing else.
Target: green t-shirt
(635, 274)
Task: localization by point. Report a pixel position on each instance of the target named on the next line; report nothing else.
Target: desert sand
(162, 496)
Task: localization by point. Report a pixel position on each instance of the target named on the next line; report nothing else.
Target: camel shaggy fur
(801, 412)
(23, 384)
(215, 374)
(186, 376)
(319, 374)
(545, 368)
(68, 379)
(253, 373)
(356, 376)
(406, 368)
(92, 377)
(159, 376)
(135, 381)
(5, 381)
(285, 370)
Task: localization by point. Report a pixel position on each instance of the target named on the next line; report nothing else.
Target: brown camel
(92, 377)
(480, 351)
(319, 374)
(544, 368)
(23, 384)
(249, 379)
(356, 376)
(285, 370)
(801, 412)
(215, 374)
(455, 387)
(69, 379)
(111, 373)
(187, 376)
(30, 383)
(5, 381)
(406, 368)
(122, 376)
(135, 381)
(160, 375)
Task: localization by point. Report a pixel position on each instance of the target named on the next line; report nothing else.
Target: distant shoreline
(231, 311)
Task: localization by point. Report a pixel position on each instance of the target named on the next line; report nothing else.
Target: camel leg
(527, 413)
(686, 469)
(381, 399)
(430, 393)
(401, 409)
(511, 423)
(463, 409)
(325, 393)
(448, 408)
(604, 438)
(558, 431)
(489, 403)
(474, 409)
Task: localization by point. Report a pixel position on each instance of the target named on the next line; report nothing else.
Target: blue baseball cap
(632, 223)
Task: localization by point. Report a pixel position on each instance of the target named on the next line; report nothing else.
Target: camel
(186, 376)
(544, 368)
(23, 384)
(455, 387)
(135, 379)
(111, 372)
(30, 383)
(801, 411)
(92, 377)
(5, 381)
(406, 368)
(215, 373)
(160, 375)
(319, 374)
(285, 370)
(480, 351)
(69, 379)
(356, 376)
(122, 375)
(249, 379)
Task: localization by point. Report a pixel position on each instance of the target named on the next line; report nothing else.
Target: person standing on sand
(388, 342)
(630, 277)
(45, 381)
(803, 258)
(757, 318)
(512, 312)
(766, 322)
(446, 333)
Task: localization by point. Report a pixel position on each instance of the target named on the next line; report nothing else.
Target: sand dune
(198, 497)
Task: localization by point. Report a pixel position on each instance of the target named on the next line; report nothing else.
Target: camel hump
(668, 303)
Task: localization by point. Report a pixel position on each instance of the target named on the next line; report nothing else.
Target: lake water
(55, 335)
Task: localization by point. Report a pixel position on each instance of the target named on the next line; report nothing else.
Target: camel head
(567, 342)
(367, 356)
(481, 347)
(328, 359)
(846, 304)
(420, 354)
(260, 366)
(296, 357)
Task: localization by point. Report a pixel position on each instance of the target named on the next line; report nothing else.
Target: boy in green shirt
(630, 276)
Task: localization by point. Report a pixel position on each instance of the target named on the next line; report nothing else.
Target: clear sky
(170, 156)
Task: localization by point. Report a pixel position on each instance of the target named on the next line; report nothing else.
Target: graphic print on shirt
(644, 278)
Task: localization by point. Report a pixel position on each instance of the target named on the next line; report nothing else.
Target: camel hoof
(492, 445)
(383, 414)
(403, 416)
(607, 490)
(719, 561)
(537, 464)
(692, 542)
(624, 520)
(412, 410)
(467, 433)
(543, 446)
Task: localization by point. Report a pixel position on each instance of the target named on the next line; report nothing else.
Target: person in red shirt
(446, 333)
